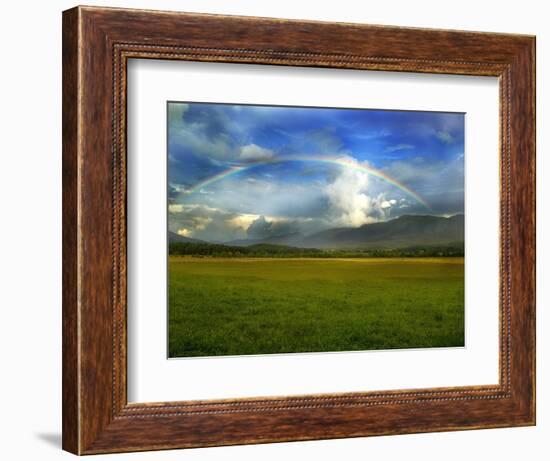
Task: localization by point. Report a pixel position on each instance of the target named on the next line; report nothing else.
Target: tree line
(264, 250)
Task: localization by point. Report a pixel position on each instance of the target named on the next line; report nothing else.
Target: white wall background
(30, 239)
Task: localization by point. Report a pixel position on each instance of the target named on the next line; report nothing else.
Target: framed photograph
(280, 230)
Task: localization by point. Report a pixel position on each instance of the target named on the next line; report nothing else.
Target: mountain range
(402, 232)
(177, 238)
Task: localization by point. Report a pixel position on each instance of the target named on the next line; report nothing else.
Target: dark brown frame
(97, 43)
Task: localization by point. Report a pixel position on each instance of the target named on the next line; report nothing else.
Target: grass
(229, 306)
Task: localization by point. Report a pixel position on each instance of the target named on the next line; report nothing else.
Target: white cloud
(371, 135)
(242, 221)
(184, 232)
(175, 208)
(255, 152)
(398, 147)
(403, 203)
(445, 137)
(204, 222)
(349, 202)
(201, 222)
(387, 203)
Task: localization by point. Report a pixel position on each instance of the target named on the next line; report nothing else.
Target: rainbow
(340, 161)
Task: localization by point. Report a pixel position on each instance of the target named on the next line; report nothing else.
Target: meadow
(241, 306)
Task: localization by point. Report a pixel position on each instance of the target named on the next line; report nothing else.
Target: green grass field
(240, 306)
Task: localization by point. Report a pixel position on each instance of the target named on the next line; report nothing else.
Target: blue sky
(296, 169)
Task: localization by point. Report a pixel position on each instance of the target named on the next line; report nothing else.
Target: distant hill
(405, 231)
(287, 239)
(402, 232)
(173, 238)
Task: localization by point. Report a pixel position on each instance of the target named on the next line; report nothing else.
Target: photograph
(313, 229)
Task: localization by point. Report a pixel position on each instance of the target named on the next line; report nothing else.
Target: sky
(252, 172)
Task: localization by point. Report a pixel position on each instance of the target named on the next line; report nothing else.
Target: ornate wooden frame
(97, 43)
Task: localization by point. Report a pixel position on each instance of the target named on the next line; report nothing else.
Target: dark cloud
(204, 130)
(172, 194)
(203, 222)
(261, 228)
